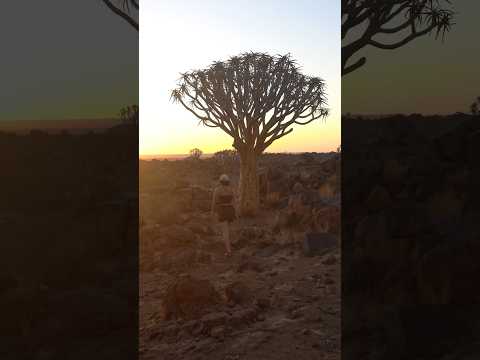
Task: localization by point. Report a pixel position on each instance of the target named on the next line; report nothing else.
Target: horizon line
(211, 154)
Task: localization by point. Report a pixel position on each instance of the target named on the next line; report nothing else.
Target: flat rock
(317, 243)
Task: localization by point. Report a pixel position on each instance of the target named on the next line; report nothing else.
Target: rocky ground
(68, 249)
(410, 237)
(268, 301)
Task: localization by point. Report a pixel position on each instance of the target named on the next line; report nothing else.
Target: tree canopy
(255, 98)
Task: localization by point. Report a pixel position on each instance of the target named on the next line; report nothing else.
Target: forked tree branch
(124, 11)
(369, 18)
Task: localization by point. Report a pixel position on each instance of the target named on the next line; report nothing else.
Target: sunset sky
(178, 36)
(66, 59)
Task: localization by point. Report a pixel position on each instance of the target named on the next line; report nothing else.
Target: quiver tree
(256, 99)
(474, 108)
(196, 154)
(129, 115)
(400, 20)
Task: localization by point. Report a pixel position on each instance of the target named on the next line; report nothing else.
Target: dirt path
(300, 317)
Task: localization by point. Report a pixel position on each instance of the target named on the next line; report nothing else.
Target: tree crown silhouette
(255, 98)
(196, 153)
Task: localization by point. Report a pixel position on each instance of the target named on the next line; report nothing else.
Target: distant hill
(56, 126)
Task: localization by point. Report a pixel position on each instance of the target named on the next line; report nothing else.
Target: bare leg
(226, 236)
(291, 236)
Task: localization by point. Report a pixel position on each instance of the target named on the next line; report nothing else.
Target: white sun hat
(224, 178)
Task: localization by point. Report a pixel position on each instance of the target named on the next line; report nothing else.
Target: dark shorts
(226, 213)
(293, 220)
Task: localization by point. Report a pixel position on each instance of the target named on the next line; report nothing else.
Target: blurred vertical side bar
(69, 180)
(410, 135)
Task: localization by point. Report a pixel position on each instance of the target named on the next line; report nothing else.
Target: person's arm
(234, 198)
(290, 203)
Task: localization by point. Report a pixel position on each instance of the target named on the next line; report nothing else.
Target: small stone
(218, 332)
(243, 316)
(154, 335)
(238, 293)
(331, 260)
(249, 265)
(213, 320)
(306, 332)
(378, 199)
(296, 314)
(198, 329)
(263, 303)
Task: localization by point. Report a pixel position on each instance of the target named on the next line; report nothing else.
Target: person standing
(295, 211)
(223, 207)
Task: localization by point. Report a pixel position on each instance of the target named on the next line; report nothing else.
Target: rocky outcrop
(409, 200)
(189, 297)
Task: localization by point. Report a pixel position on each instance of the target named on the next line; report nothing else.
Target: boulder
(394, 172)
(180, 235)
(212, 320)
(330, 260)
(218, 332)
(242, 317)
(200, 228)
(371, 228)
(238, 293)
(326, 219)
(318, 243)
(378, 199)
(249, 265)
(204, 257)
(445, 207)
(474, 150)
(183, 258)
(189, 297)
(263, 303)
(450, 145)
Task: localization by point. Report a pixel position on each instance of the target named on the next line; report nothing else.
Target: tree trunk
(249, 189)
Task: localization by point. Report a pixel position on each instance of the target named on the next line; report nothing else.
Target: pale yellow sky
(182, 36)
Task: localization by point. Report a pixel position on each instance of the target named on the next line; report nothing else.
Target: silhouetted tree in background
(126, 9)
(474, 108)
(401, 20)
(226, 159)
(256, 99)
(226, 155)
(196, 154)
(129, 115)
